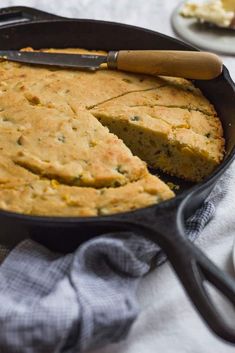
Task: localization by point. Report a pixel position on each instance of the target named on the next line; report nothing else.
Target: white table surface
(168, 322)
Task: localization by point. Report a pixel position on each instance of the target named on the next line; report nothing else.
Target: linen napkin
(56, 303)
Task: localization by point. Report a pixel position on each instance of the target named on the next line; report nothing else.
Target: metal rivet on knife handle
(112, 59)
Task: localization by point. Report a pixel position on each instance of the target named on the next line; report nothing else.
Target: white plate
(202, 35)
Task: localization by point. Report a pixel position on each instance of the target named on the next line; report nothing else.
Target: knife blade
(187, 64)
(83, 61)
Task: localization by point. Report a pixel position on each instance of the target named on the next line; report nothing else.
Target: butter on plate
(218, 12)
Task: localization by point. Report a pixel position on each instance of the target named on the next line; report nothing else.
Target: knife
(187, 64)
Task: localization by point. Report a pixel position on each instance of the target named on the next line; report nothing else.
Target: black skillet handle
(193, 268)
(17, 14)
(164, 226)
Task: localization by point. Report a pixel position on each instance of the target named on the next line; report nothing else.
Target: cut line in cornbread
(171, 96)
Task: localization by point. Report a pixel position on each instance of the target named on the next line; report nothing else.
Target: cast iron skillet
(163, 223)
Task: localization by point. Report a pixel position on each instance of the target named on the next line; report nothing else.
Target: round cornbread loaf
(77, 143)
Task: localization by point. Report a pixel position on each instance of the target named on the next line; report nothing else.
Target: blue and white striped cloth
(52, 303)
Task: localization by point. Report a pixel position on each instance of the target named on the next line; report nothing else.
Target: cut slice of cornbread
(184, 143)
(50, 198)
(57, 162)
(72, 148)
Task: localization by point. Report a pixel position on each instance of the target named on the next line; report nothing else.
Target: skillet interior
(106, 35)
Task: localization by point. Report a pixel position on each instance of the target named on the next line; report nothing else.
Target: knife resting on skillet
(187, 64)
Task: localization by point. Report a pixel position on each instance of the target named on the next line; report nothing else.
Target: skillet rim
(184, 195)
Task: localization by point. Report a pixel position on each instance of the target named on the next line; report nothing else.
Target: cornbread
(181, 142)
(74, 149)
(76, 143)
(172, 127)
(217, 12)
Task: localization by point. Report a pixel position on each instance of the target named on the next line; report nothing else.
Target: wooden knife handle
(188, 64)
